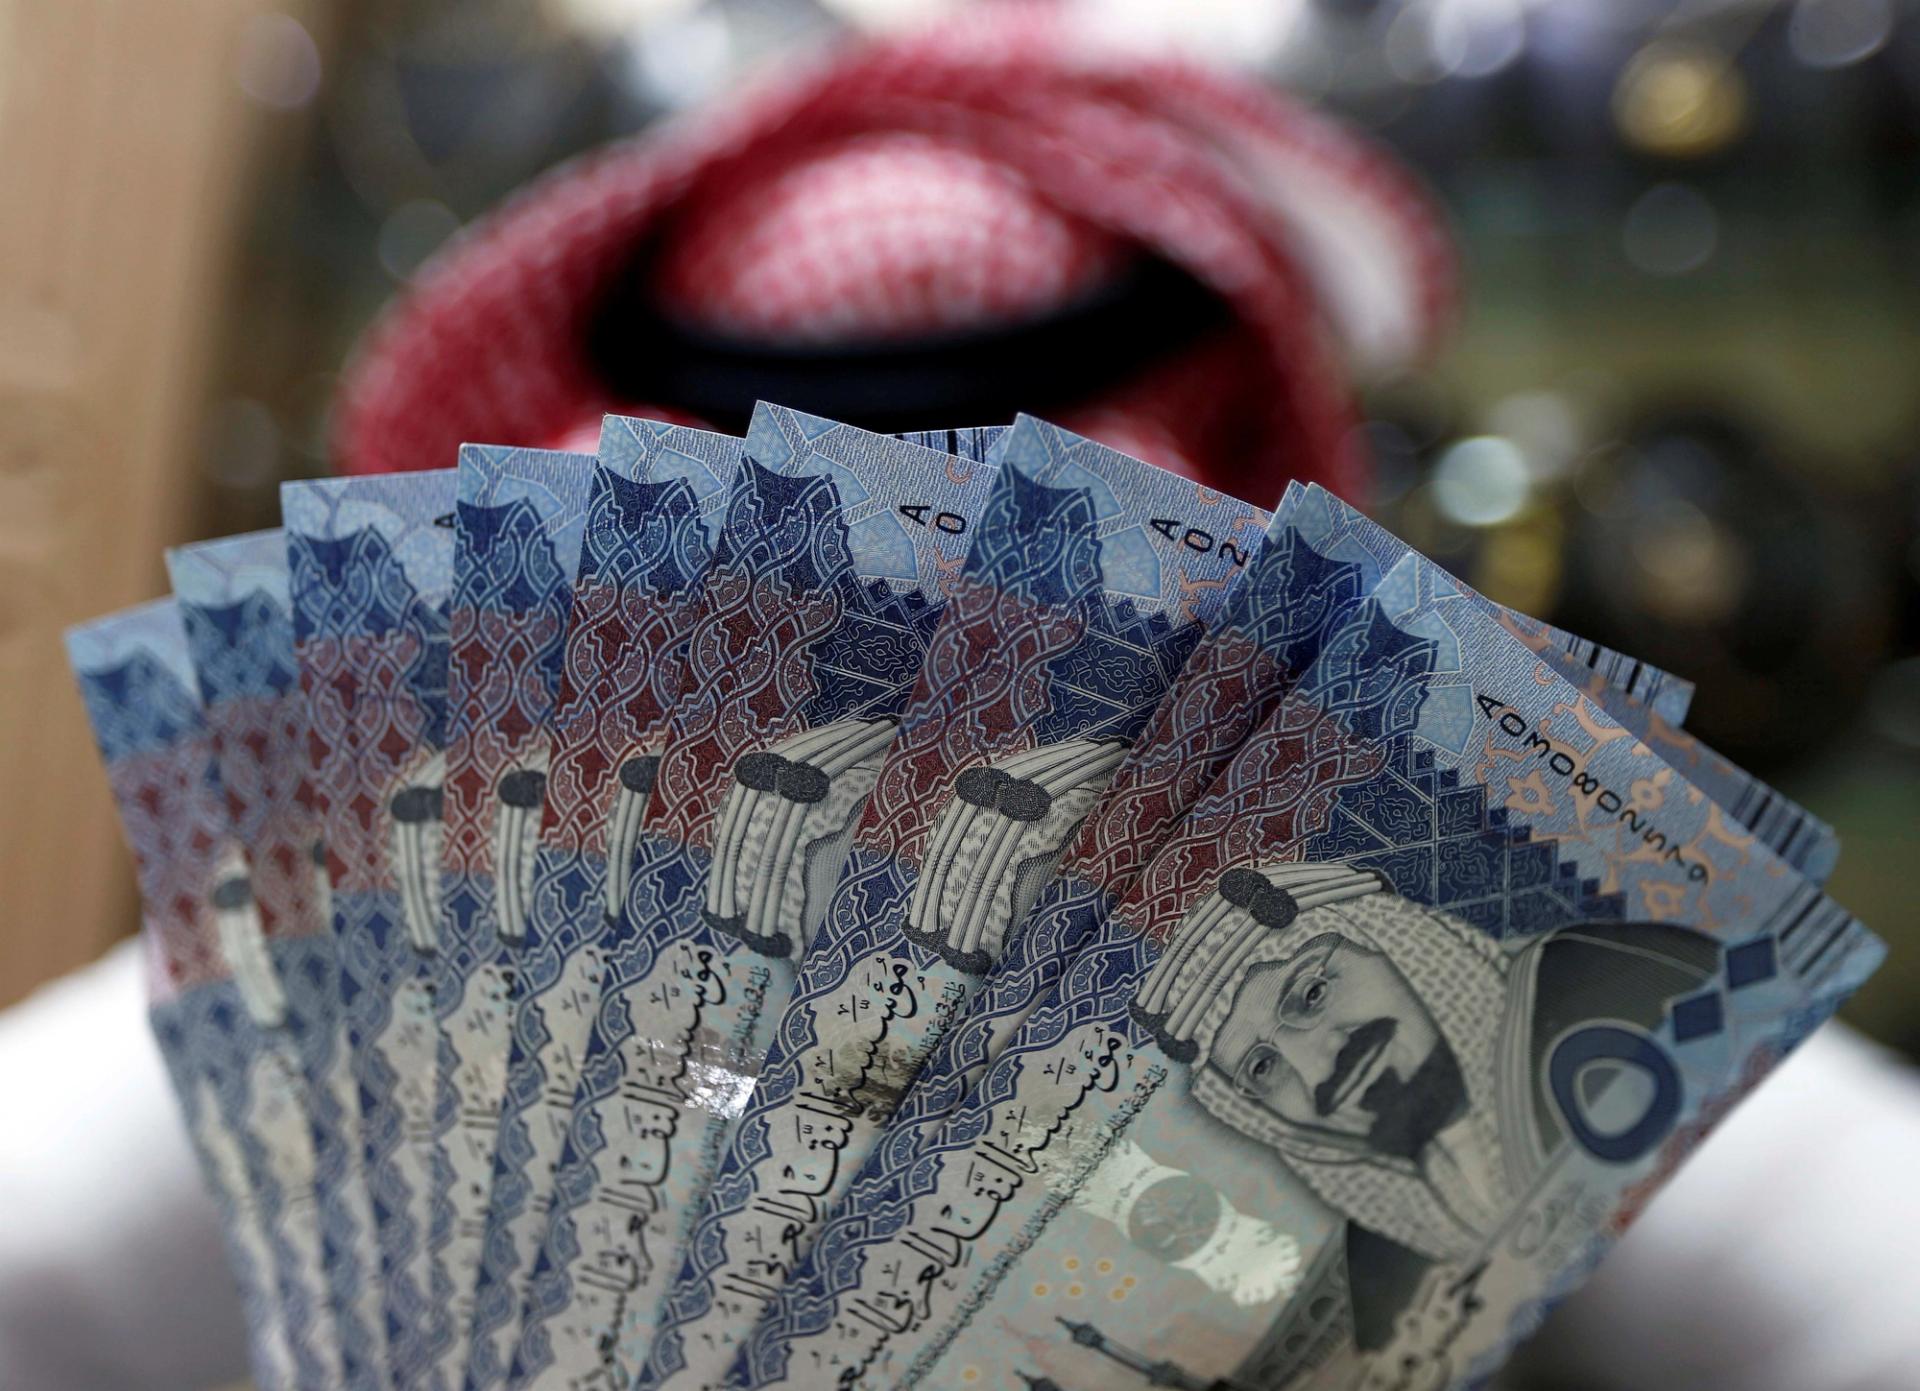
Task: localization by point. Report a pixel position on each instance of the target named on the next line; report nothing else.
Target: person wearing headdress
(1004, 211)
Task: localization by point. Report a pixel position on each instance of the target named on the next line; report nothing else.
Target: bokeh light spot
(1670, 230)
(1836, 33)
(1481, 481)
(1680, 100)
(278, 63)
(411, 233)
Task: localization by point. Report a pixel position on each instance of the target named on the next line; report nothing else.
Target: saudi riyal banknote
(656, 500)
(518, 523)
(220, 1029)
(371, 564)
(1426, 996)
(826, 582)
(1088, 580)
(233, 600)
(1302, 579)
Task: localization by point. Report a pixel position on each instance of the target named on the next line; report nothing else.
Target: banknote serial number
(1196, 539)
(927, 515)
(1562, 764)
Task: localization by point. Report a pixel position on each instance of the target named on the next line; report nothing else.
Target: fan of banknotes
(966, 910)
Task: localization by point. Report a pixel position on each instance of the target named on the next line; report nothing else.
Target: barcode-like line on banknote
(1641, 681)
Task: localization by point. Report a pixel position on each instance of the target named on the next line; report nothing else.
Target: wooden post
(123, 148)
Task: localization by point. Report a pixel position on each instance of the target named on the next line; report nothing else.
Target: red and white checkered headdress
(996, 213)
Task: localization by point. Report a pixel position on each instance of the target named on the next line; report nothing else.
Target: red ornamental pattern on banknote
(259, 739)
(1286, 782)
(162, 799)
(988, 665)
(504, 684)
(618, 692)
(367, 733)
(749, 680)
(1187, 741)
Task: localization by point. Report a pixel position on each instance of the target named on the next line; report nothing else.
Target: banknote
(1647, 702)
(517, 535)
(826, 583)
(233, 599)
(1429, 993)
(656, 499)
(1087, 584)
(1308, 572)
(218, 1028)
(1315, 563)
(371, 562)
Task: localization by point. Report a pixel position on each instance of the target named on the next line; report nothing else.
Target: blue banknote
(1644, 700)
(1087, 583)
(220, 1031)
(656, 501)
(371, 564)
(827, 579)
(1304, 577)
(1427, 995)
(519, 521)
(233, 600)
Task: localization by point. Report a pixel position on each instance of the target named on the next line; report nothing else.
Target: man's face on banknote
(1335, 1040)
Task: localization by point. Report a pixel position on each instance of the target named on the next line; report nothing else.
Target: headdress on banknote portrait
(1445, 1206)
(1001, 212)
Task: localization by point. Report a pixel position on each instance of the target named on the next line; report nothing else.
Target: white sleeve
(112, 1271)
(1779, 1259)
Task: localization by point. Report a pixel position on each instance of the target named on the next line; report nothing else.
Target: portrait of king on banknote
(1373, 1045)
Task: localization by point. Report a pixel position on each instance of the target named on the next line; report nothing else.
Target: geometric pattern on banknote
(1367, 688)
(1027, 653)
(249, 685)
(241, 648)
(786, 634)
(645, 552)
(374, 660)
(138, 706)
(243, 656)
(1271, 633)
(142, 715)
(507, 621)
(644, 557)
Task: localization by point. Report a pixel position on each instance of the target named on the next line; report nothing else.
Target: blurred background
(1679, 412)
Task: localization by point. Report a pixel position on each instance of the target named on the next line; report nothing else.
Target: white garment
(1780, 1259)
(112, 1272)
